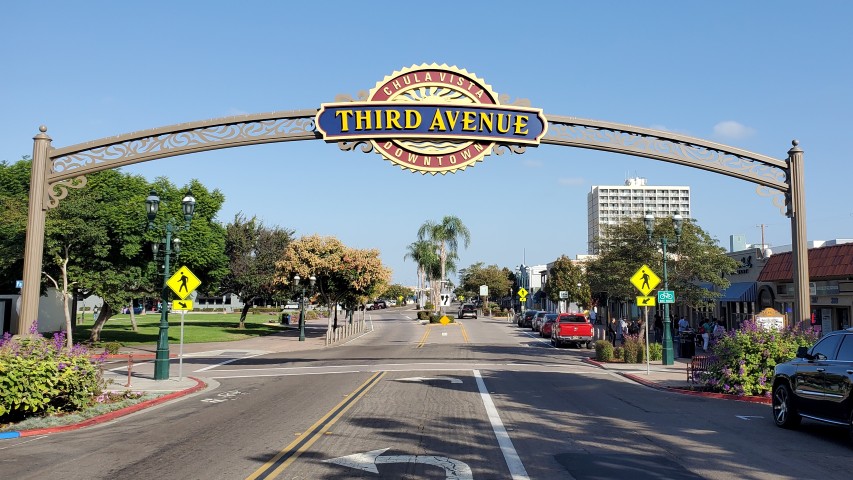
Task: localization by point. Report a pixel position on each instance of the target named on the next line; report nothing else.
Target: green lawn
(198, 327)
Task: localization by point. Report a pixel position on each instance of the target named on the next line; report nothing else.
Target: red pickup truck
(572, 328)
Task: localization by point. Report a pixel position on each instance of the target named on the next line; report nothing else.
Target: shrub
(437, 318)
(429, 306)
(742, 361)
(655, 351)
(423, 315)
(112, 347)
(39, 376)
(618, 354)
(603, 351)
(633, 349)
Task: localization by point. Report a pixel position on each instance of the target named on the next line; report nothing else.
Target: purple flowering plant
(743, 360)
(40, 376)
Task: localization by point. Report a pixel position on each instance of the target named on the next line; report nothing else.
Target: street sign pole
(646, 325)
(181, 350)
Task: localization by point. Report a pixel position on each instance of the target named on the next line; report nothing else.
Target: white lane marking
(380, 369)
(230, 360)
(424, 379)
(540, 339)
(367, 461)
(285, 374)
(28, 440)
(748, 417)
(513, 462)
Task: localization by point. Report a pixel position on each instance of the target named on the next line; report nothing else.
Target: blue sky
(749, 74)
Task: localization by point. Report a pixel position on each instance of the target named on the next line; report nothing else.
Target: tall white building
(611, 205)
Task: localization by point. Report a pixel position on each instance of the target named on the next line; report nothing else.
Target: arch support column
(799, 248)
(34, 246)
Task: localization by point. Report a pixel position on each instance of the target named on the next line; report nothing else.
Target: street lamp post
(677, 221)
(152, 204)
(312, 279)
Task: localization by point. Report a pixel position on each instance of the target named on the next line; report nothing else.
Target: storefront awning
(740, 292)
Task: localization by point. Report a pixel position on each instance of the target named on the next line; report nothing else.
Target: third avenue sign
(432, 119)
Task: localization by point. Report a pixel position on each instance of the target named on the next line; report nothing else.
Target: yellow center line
(426, 334)
(320, 427)
(464, 333)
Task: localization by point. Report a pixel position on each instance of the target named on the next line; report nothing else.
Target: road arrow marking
(748, 417)
(367, 461)
(424, 379)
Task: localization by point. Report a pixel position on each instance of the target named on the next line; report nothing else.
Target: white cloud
(571, 181)
(532, 163)
(732, 130)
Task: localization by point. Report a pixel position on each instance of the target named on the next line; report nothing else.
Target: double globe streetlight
(677, 223)
(152, 206)
(311, 280)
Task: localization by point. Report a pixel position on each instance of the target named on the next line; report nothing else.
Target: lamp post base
(161, 360)
(667, 357)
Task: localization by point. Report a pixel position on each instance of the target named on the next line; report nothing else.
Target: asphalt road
(478, 400)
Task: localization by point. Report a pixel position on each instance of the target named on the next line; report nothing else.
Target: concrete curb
(200, 385)
(683, 391)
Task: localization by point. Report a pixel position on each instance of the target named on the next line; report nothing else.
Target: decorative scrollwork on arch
(135, 148)
(770, 173)
(366, 146)
(502, 148)
(59, 190)
(778, 197)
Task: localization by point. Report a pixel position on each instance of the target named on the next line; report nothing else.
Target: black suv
(818, 384)
(526, 320)
(467, 310)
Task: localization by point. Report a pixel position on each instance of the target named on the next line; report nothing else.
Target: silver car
(538, 320)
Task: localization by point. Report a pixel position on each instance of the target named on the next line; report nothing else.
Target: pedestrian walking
(658, 328)
(611, 331)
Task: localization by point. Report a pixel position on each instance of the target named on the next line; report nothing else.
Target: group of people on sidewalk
(618, 330)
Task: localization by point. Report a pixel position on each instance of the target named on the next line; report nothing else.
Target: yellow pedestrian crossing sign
(522, 292)
(185, 305)
(645, 280)
(183, 282)
(646, 301)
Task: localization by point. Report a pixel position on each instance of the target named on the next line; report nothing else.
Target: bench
(697, 365)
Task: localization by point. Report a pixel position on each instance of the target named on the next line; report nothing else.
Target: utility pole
(763, 246)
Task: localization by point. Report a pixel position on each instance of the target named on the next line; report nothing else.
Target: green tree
(252, 250)
(423, 253)
(14, 191)
(496, 278)
(129, 268)
(445, 236)
(694, 260)
(397, 291)
(566, 276)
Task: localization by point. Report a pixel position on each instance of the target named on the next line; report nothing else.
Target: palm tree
(445, 236)
(423, 253)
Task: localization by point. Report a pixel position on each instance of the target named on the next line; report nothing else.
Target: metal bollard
(129, 368)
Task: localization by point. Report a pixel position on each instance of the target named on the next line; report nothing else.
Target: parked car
(547, 325)
(526, 320)
(537, 320)
(572, 328)
(467, 310)
(817, 384)
(380, 304)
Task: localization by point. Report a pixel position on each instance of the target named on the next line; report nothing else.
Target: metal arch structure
(55, 170)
